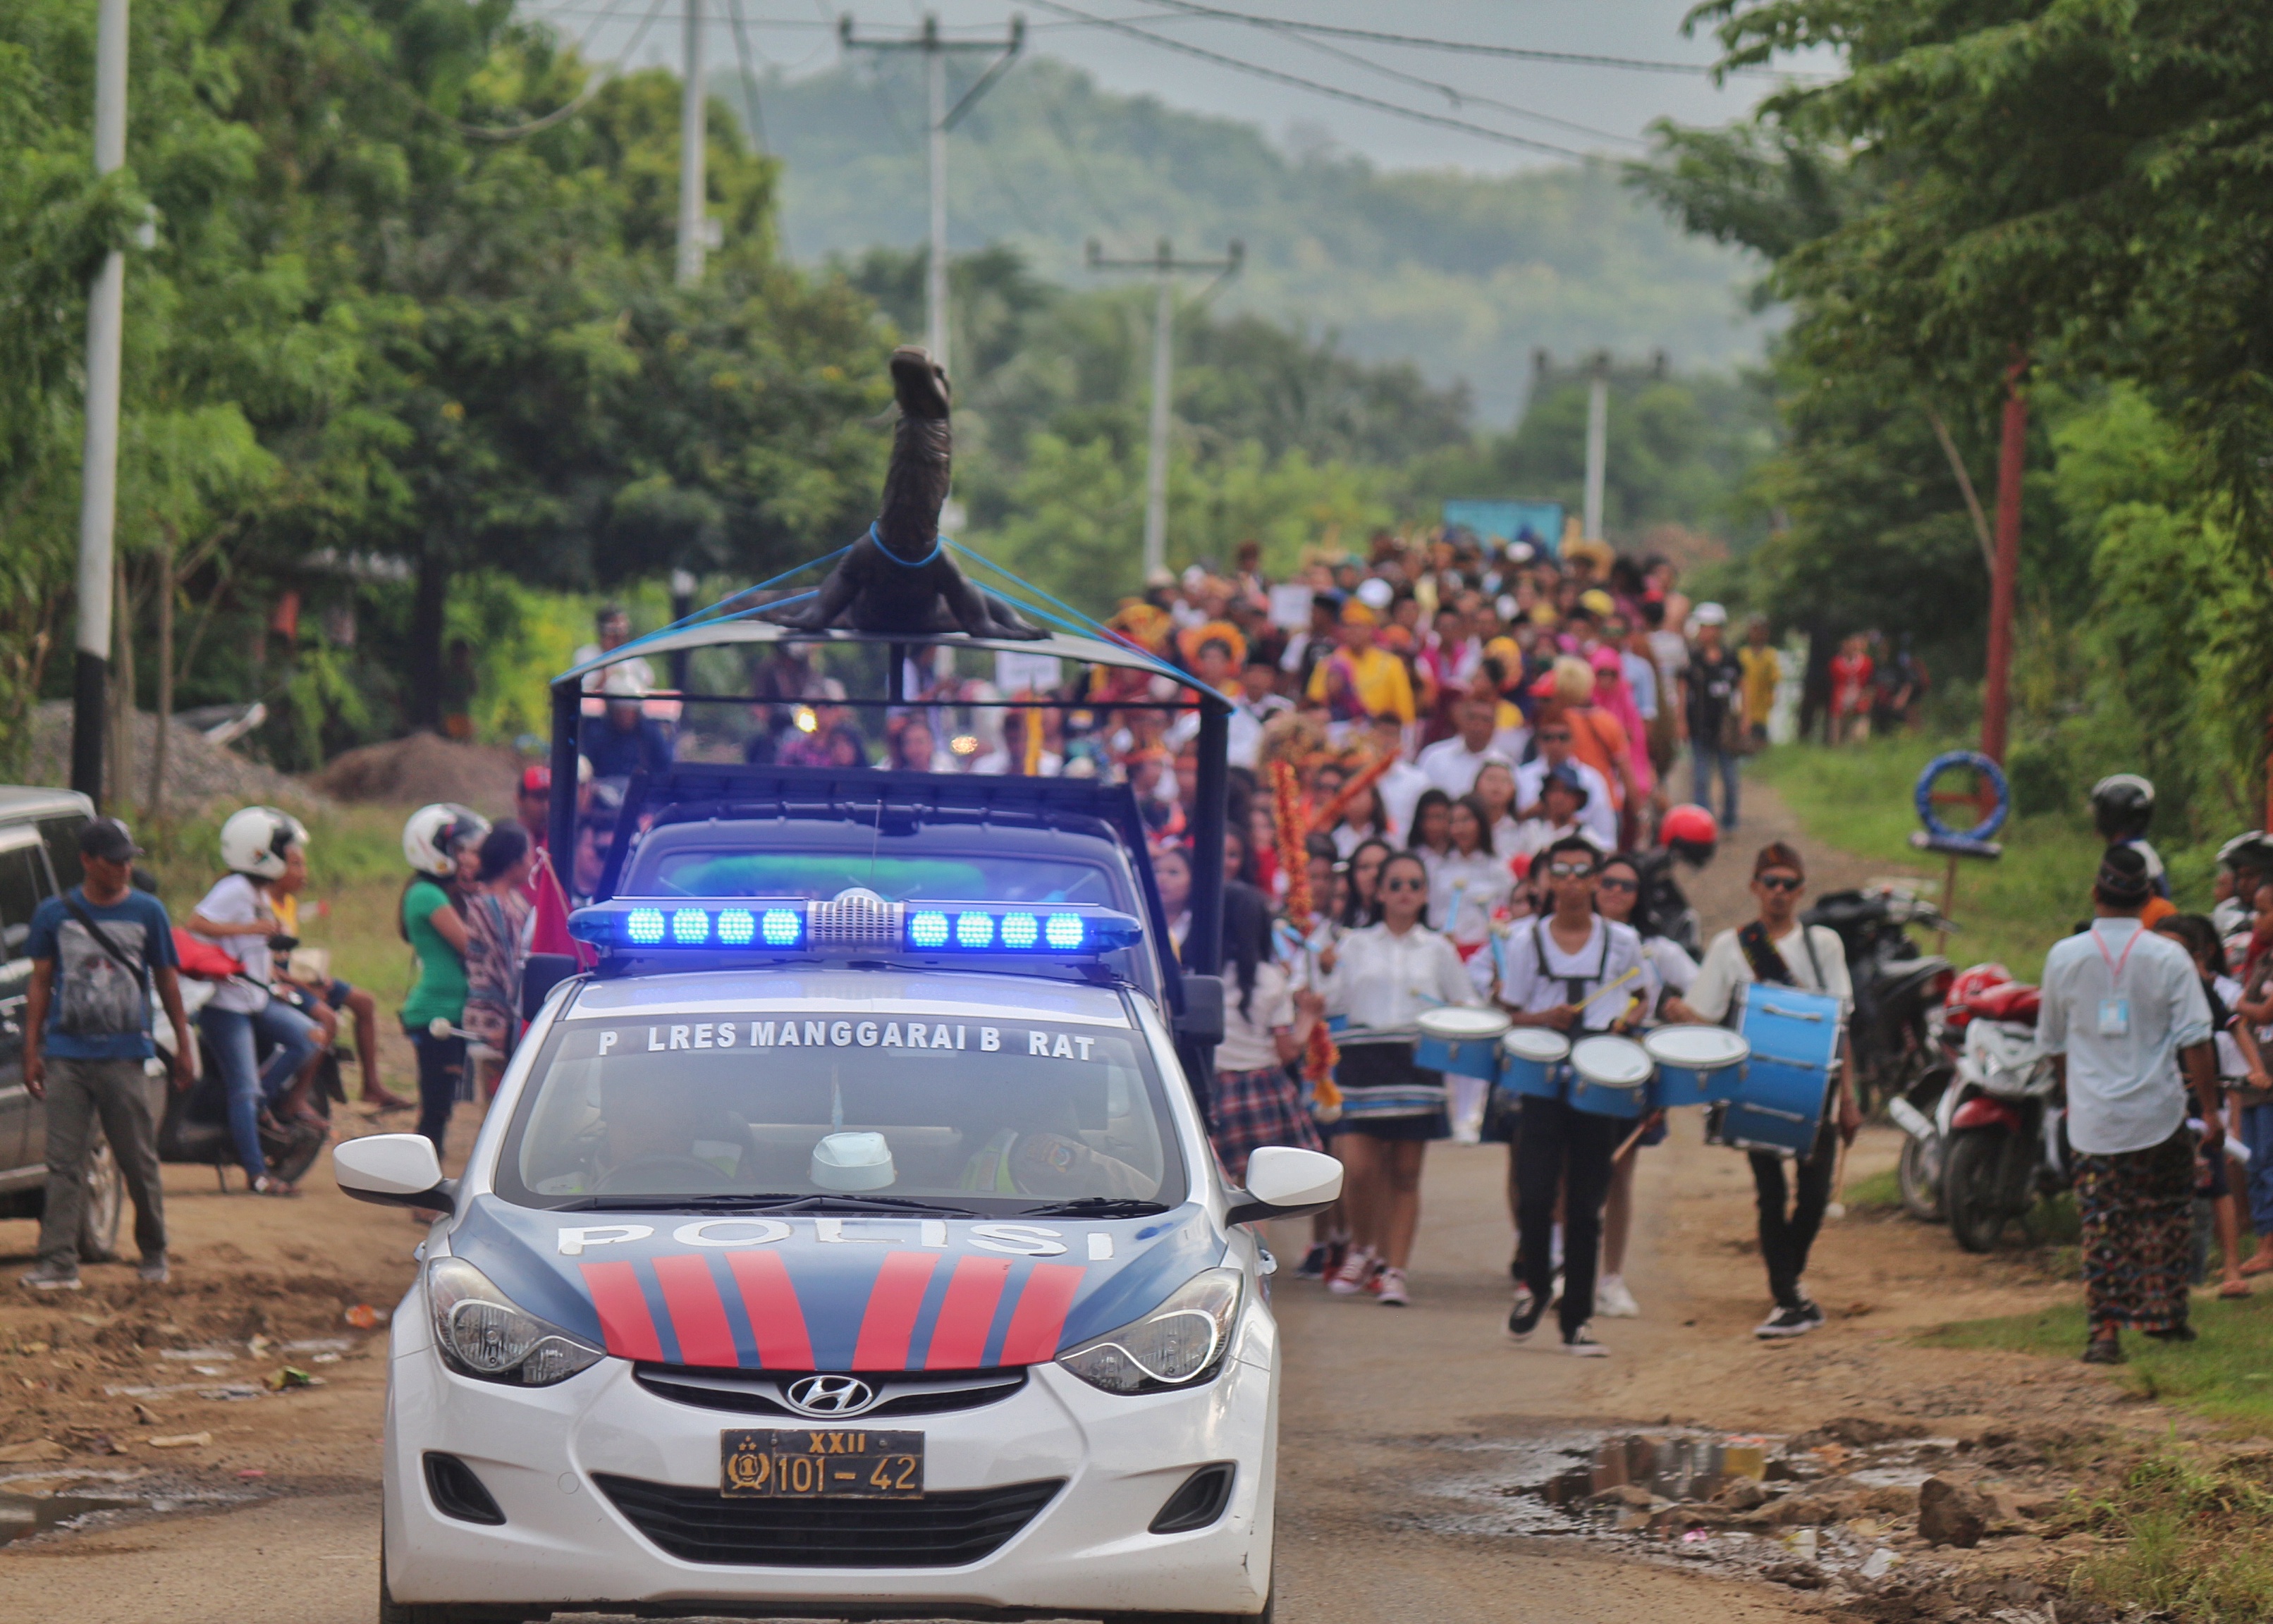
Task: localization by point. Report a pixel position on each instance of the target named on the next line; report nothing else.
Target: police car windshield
(901, 1099)
(1021, 878)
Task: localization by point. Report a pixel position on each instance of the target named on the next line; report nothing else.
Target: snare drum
(1610, 1076)
(1696, 1065)
(1464, 1041)
(1784, 1089)
(1531, 1061)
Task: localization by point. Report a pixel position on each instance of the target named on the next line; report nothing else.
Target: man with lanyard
(96, 952)
(1578, 973)
(1776, 947)
(2128, 1027)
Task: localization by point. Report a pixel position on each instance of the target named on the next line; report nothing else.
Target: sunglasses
(1404, 885)
(1780, 882)
(1621, 885)
(1557, 736)
(1569, 871)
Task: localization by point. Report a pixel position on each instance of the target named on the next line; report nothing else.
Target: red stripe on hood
(698, 1318)
(1039, 1319)
(625, 1325)
(959, 1340)
(775, 1319)
(893, 1303)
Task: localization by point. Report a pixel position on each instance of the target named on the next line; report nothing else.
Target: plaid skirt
(1258, 1108)
(2137, 1208)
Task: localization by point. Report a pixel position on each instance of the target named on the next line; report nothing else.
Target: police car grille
(759, 1393)
(939, 1530)
(854, 919)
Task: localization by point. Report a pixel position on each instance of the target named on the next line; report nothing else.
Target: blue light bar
(792, 924)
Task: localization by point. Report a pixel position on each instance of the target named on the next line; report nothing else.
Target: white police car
(842, 1258)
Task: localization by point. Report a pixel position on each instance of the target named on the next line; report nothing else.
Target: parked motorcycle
(1897, 989)
(1918, 1111)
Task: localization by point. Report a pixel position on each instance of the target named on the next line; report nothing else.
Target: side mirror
(540, 973)
(1202, 1020)
(1284, 1182)
(394, 1169)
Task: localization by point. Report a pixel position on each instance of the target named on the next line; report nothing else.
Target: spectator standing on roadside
(431, 919)
(498, 917)
(97, 951)
(2124, 1018)
(1763, 671)
(1715, 684)
(1851, 691)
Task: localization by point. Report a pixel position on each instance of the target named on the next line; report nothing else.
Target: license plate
(798, 1463)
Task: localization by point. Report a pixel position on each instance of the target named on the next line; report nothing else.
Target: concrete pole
(694, 216)
(935, 270)
(1156, 459)
(1598, 442)
(106, 318)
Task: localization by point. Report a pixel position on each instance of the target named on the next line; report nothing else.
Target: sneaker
(53, 1278)
(1351, 1278)
(1792, 1321)
(1523, 1318)
(1613, 1301)
(152, 1271)
(1389, 1286)
(1813, 1310)
(2104, 1351)
(1313, 1266)
(1581, 1344)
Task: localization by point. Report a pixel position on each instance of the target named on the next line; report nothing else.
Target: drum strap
(1766, 963)
(1575, 991)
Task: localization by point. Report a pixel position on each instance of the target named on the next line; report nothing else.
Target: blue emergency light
(857, 919)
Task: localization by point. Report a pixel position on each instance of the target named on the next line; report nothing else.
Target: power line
(1333, 92)
(1451, 93)
(749, 80)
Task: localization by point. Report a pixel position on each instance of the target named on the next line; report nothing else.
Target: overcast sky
(1600, 110)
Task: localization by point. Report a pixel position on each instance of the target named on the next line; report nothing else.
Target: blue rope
(1080, 625)
(719, 607)
(937, 542)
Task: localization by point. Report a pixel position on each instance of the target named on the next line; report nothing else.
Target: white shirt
(1401, 787)
(1383, 982)
(1599, 815)
(1641, 678)
(1463, 890)
(1671, 963)
(2124, 1087)
(238, 899)
(1725, 969)
(1452, 766)
(1526, 987)
(631, 675)
(1248, 1045)
(1534, 835)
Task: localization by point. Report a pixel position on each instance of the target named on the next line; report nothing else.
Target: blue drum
(1696, 1065)
(1610, 1076)
(1531, 1061)
(1784, 1089)
(1462, 1042)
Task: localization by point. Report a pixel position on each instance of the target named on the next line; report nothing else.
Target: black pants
(1560, 1147)
(441, 1065)
(1785, 1241)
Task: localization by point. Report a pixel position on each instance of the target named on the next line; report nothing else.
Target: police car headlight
(1180, 1343)
(484, 1333)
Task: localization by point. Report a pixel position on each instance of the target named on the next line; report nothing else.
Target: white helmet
(254, 840)
(432, 838)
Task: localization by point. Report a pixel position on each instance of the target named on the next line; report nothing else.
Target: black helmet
(2122, 806)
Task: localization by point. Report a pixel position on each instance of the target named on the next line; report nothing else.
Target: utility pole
(1164, 265)
(98, 505)
(938, 119)
(2004, 579)
(1598, 440)
(694, 213)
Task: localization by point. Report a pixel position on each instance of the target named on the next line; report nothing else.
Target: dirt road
(1399, 1426)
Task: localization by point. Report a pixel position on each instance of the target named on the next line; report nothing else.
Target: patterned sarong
(1258, 1108)
(2138, 1233)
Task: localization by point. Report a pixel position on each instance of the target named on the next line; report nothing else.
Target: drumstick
(1608, 986)
(1837, 1206)
(1626, 1149)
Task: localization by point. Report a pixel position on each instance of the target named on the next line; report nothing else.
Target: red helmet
(1690, 830)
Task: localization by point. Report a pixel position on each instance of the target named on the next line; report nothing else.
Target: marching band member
(1776, 947)
(1577, 972)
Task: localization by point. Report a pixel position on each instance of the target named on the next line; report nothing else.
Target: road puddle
(39, 1503)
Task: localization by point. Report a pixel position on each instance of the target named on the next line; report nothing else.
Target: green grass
(2183, 1537)
(2226, 1375)
(1880, 1191)
(2012, 909)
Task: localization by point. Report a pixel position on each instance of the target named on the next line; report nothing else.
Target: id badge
(2114, 1017)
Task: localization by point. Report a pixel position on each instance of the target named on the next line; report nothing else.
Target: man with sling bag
(1777, 947)
(95, 952)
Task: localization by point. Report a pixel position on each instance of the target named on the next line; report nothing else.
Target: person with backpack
(236, 915)
(97, 952)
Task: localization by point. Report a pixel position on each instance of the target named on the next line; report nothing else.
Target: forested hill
(1464, 276)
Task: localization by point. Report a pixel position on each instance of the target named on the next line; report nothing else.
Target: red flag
(551, 934)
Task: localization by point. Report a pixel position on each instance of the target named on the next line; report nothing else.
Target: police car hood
(799, 1293)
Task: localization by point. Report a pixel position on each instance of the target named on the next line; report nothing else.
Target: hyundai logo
(829, 1394)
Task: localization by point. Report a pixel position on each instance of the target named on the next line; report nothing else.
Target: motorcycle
(1897, 990)
(1663, 909)
(1999, 1134)
(195, 1125)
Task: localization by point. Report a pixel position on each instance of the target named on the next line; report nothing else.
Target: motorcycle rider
(2122, 806)
(1777, 947)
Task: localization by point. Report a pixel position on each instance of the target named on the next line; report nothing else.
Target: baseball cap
(108, 839)
(1709, 615)
(1567, 776)
(537, 779)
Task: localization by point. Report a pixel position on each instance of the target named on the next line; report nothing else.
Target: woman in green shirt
(430, 921)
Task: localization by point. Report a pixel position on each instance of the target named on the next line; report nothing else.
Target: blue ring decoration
(938, 545)
(1923, 797)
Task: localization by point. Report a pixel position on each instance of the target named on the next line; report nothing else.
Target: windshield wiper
(1095, 1207)
(795, 1204)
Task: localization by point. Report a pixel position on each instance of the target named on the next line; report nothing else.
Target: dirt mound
(197, 771)
(423, 767)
